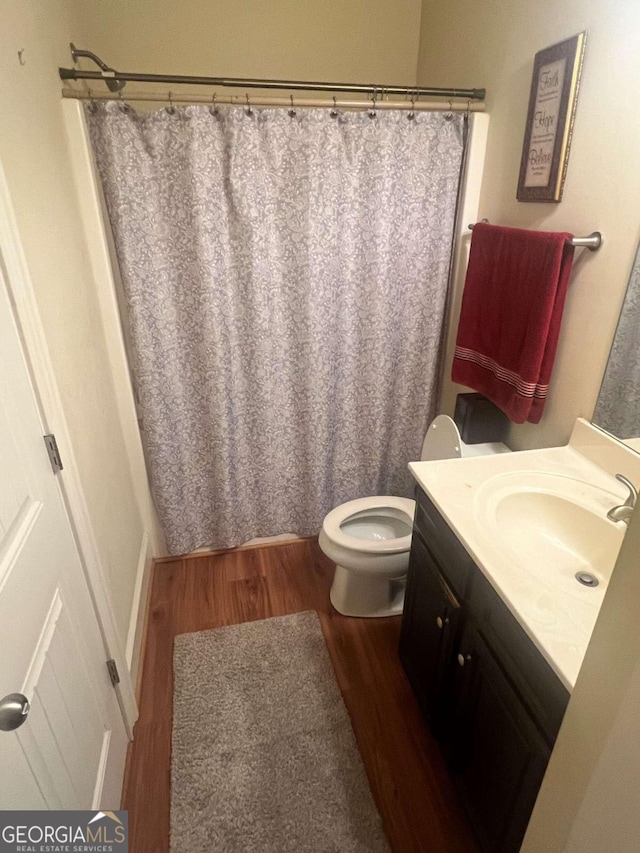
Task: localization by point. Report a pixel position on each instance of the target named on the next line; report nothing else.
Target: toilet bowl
(369, 539)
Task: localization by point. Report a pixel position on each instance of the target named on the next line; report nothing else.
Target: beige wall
(36, 159)
(373, 41)
(493, 44)
(609, 818)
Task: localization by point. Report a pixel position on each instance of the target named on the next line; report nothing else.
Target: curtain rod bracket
(109, 75)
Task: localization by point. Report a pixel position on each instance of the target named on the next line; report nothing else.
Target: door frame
(49, 403)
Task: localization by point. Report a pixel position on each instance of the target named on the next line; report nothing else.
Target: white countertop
(558, 620)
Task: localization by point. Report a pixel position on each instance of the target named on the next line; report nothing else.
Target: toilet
(369, 539)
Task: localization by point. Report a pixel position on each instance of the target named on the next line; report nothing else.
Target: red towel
(510, 318)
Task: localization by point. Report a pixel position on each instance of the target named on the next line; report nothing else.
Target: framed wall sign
(552, 106)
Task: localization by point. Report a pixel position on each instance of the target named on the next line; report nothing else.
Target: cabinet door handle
(462, 659)
(440, 622)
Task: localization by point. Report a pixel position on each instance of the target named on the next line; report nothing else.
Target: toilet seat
(385, 505)
(442, 440)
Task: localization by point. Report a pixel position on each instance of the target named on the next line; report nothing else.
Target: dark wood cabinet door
(428, 631)
(500, 756)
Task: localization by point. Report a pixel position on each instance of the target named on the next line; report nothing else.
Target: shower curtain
(285, 280)
(618, 404)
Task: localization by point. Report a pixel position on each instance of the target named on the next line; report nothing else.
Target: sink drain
(587, 579)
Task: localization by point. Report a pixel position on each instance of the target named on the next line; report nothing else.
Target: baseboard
(138, 608)
(255, 545)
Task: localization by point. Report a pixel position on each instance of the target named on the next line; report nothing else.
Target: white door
(69, 752)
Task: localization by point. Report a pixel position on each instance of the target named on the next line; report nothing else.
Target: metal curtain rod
(592, 242)
(116, 80)
(265, 101)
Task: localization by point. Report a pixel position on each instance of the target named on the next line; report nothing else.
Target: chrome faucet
(624, 511)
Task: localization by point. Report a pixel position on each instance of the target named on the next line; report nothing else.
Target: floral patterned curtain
(285, 281)
(618, 405)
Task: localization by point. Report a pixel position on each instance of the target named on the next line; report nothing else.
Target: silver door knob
(13, 711)
(462, 659)
(439, 622)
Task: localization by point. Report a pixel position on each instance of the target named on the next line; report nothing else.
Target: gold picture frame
(552, 106)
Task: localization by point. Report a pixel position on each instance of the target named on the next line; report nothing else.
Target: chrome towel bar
(592, 242)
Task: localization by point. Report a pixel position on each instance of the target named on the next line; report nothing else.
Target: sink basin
(555, 526)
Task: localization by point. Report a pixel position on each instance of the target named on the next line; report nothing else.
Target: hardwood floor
(406, 772)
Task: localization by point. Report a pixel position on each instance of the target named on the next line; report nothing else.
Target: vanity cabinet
(488, 694)
(500, 755)
(430, 621)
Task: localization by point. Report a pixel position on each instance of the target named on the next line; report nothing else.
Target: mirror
(618, 406)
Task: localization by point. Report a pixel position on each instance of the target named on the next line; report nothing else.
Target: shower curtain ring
(249, 110)
(292, 111)
(411, 114)
(334, 111)
(171, 109)
(372, 110)
(92, 104)
(213, 109)
(448, 116)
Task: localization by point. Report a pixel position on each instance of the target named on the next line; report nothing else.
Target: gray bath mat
(264, 759)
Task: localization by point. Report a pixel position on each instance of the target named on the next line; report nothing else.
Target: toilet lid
(442, 440)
